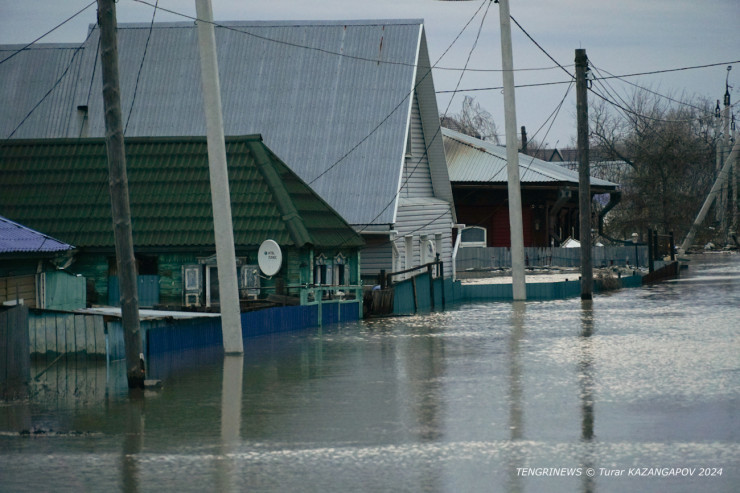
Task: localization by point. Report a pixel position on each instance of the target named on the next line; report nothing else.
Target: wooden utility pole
(512, 157)
(118, 182)
(231, 326)
(584, 176)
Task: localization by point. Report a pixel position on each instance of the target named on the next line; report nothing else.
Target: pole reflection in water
(587, 384)
(231, 421)
(516, 409)
(133, 441)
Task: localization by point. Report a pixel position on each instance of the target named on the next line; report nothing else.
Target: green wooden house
(60, 186)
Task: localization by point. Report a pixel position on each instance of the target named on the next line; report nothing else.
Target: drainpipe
(564, 195)
(459, 228)
(614, 199)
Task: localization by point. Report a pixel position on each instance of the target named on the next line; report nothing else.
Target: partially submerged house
(478, 171)
(61, 186)
(32, 270)
(349, 105)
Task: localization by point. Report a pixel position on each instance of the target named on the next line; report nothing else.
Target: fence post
(431, 286)
(442, 276)
(673, 246)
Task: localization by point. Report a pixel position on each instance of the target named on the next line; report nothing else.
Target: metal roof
(331, 98)
(37, 89)
(16, 238)
(473, 160)
(61, 186)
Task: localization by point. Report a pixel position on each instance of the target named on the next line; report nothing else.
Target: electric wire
(59, 80)
(48, 32)
(141, 66)
(401, 103)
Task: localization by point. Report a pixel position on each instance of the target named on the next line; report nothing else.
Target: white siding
(376, 256)
(417, 179)
(426, 217)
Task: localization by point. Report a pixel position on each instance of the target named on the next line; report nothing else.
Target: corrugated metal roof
(43, 73)
(339, 121)
(477, 161)
(16, 238)
(61, 186)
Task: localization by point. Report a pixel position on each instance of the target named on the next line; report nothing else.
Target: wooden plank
(51, 334)
(69, 330)
(89, 335)
(31, 334)
(61, 333)
(99, 335)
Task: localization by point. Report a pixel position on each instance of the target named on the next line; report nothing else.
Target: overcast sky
(620, 37)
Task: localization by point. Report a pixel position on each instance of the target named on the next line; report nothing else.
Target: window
(340, 267)
(192, 277)
(319, 270)
(473, 236)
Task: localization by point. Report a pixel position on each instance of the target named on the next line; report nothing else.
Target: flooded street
(638, 390)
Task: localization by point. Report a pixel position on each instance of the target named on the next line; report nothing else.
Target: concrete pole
(512, 157)
(584, 178)
(223, 230)
(718, 184)
(118, 184)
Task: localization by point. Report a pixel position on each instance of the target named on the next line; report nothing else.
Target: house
(61, 186)
(478, 173)
(31, 270)
(349, 105)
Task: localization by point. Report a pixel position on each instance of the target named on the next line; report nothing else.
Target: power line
(401, 103)
(49, 31)
(141, 66)
(540, 47)
(499, 88)
(439, 129)
(77, 50)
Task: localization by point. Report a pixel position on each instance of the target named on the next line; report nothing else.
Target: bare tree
(472, 120)
(667, 158)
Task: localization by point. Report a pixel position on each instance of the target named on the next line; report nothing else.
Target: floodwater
(637, 390)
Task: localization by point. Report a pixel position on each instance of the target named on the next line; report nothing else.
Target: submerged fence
(487, 258)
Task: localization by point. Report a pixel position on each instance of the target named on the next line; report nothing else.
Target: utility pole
(118, 183)
(718, 184)
(726, 219)
(584, 176)
(231, 326)
(512, 157)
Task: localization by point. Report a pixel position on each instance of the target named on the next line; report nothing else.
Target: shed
(478, 172)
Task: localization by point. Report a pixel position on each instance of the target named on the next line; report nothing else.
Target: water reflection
(515, 397)
(460, 400)
(133, 441)
(587, 385)
(231, 419)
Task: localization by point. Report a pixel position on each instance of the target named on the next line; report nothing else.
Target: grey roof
(473, 160)
(330, 98)
(16, 238)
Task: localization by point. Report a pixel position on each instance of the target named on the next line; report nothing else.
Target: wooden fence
(14, 362)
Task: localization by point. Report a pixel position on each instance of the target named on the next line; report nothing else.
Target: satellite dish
(269, 257)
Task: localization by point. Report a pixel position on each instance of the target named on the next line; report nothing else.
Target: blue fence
(405, 303)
